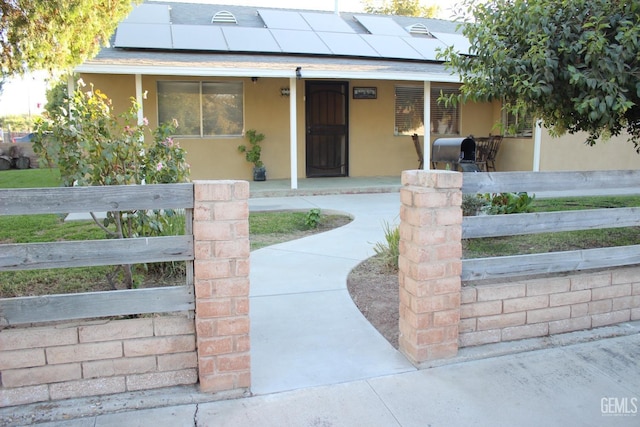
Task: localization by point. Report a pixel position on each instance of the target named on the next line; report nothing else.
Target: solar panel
(198, 37)
(347, 44)
(380, 25)
(425, 46)
(391, 47)
(300, 42)
(329, 22)
(145, 36)
(284, 20)
(460, 42)
(150, 14)
(245, 39)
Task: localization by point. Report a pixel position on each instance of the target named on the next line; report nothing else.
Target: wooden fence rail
(31, 256)
(555, 262)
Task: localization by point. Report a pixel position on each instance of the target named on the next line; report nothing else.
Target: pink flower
(159, 166)
(145, 121)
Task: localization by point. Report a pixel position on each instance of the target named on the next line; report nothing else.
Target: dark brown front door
(327, 144)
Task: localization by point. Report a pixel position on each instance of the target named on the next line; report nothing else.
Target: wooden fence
(31, 256)
(589, 183)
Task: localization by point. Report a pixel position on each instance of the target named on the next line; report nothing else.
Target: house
(336, 95)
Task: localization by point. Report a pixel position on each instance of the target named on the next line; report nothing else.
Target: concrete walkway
(305, 329)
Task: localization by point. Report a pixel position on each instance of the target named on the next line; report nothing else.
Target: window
(517, 125)
(202, 108)
(409, 111)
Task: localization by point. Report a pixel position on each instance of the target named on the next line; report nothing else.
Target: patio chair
(482, 152)
(416, 143)
(494, 146)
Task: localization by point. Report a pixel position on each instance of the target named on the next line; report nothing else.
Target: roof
(165, 38)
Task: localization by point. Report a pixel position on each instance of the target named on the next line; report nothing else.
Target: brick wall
(534, 308)
(438, 315)
(95, 358)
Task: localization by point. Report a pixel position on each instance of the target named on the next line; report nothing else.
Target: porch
(324, 186)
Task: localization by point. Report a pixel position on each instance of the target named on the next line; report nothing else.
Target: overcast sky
(24, 95)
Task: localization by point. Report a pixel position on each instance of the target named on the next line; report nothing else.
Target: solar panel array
(149, 27)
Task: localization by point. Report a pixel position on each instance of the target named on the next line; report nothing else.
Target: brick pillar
(430, 264)
(221, 279)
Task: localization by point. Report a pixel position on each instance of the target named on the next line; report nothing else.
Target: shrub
(472, 204)
(389, 250)
(312, 219)
(509, 203)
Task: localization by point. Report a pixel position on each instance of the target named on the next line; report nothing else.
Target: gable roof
(184, 39)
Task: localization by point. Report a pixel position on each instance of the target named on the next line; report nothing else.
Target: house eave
(240, 72)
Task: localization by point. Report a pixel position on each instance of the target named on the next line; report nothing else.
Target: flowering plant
(92, 146)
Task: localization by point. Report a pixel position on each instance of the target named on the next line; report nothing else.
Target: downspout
(426, 151)
(293, 109)
(139, 98)
(537, 142)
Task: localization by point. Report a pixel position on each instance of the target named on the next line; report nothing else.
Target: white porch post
(293, 109)
(537, 142)
(139, 98)
(427, 126)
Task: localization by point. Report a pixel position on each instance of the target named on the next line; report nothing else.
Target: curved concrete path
(305, 329)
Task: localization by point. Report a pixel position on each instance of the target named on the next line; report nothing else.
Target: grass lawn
(561, 241)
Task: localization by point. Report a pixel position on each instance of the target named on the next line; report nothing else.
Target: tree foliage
(55, 34)
(575, 64)
(400, 7)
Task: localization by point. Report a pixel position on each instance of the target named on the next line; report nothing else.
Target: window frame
(239, 89)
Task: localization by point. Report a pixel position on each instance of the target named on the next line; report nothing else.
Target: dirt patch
(374, 290)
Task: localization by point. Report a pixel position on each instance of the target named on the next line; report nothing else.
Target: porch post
(293, 110)
(537, 142)
(427, 126)
(139, 98)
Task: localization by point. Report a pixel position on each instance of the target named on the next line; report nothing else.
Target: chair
(494, 146)
(482, 152)
(416, 143)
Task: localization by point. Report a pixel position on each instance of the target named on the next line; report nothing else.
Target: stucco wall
(374, 150)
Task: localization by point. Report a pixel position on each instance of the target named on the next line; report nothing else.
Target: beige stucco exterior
(374, 150)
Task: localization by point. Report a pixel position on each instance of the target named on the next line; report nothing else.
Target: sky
(26, 95)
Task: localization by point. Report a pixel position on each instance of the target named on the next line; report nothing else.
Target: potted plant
(252, 153)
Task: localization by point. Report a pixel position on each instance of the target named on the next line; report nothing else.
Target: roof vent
(224, 17)
(419, 29)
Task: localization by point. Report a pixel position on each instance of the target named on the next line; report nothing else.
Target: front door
(327, 142)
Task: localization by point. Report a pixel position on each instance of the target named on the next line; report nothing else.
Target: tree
(401, 7)
(55, 34)
(575, 64)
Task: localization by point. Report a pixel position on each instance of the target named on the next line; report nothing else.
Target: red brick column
(430, 264)
(221, 279)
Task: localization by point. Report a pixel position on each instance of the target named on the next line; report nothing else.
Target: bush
(509, 203)
(389, 251)
(312, 219)
(472, 204)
